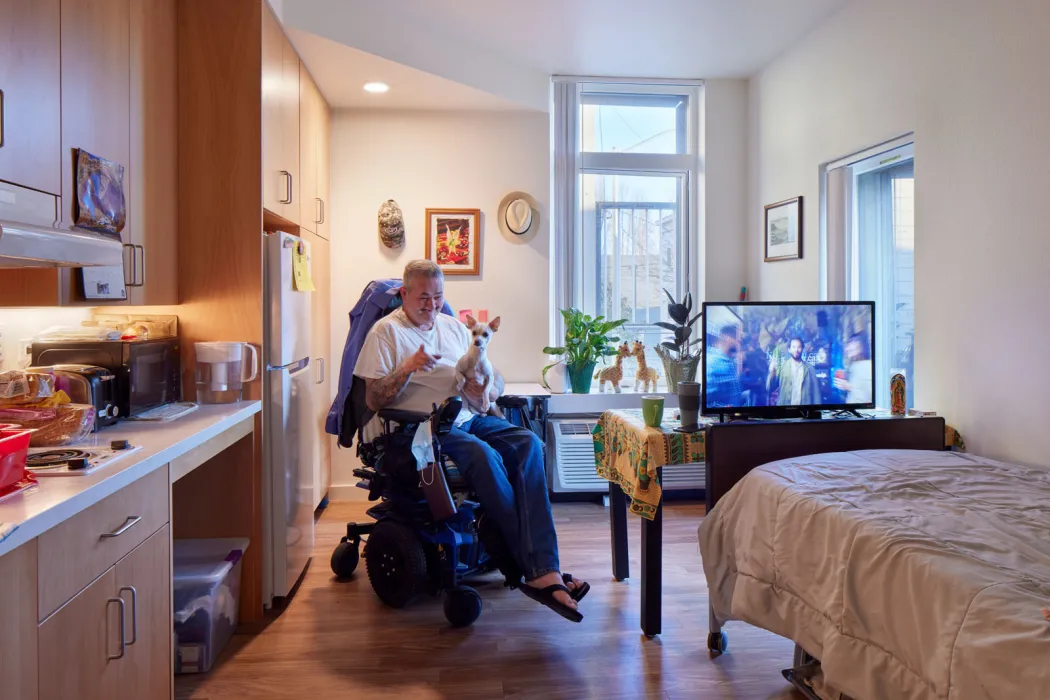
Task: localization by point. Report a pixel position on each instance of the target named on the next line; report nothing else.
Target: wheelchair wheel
(462, 606)
(396, 563)
(345, 558)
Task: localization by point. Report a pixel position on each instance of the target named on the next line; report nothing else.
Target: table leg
(618, 531)
(652, 571)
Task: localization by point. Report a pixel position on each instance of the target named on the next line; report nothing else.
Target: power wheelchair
(407, 553)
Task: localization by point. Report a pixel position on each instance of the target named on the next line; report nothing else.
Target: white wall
(724, 189)
(969, 78)
(17, 325)
(442, 159)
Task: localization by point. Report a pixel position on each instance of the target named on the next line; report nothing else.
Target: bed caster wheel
(462, 606)
(345, 558)
(717, 643)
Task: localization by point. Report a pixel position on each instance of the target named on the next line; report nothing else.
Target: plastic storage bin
(207, 591)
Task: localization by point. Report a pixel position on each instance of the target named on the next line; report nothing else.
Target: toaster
(90, 385)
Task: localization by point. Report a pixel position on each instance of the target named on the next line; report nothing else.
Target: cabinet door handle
(320, 370)
(324, 214)
(123, 642)
(318, 210)
(128, 524)
(1, 118)
(142, 259)
(134, 612)
(287, 188)
(132, 265)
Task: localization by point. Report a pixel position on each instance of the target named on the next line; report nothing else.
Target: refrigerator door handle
(320, 370)
(291, 367)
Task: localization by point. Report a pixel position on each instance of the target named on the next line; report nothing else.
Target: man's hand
(380, 393)
(420, 361)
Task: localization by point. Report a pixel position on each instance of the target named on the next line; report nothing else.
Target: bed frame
(735, 448)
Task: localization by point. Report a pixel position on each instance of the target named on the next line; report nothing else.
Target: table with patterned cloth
(629, 455)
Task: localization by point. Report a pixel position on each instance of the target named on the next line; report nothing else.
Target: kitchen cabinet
(314, 157)
(18, 652)
(96, 90)
(143, 580)
(77, 644)
(153, 195)
(280, 121)
(320, 351)
(30, 106)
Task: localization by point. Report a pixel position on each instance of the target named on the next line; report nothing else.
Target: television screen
(764, 357)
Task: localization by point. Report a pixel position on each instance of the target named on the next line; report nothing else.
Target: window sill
(595, 402)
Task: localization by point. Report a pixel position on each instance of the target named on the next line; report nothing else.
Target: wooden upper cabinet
(154, 153)
(30, 107)
(314, 158)
(96, 85)
(309, 212)
(280, 116)
(324, 165)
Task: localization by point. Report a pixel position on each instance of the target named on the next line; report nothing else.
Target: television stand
(774, 414)
(851, 412)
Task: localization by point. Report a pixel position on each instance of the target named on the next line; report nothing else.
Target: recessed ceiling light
(376, 87)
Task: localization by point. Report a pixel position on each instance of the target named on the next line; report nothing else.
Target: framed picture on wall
(453, 237)
(784, 230)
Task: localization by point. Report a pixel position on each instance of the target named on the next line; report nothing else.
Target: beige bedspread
(909, 574)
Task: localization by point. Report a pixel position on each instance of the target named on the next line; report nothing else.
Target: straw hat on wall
(519, 214)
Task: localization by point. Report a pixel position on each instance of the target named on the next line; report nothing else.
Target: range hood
(26, 245)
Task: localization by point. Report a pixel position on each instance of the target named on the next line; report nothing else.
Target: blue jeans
(504, 464)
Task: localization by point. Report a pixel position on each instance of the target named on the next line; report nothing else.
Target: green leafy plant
(682, 328)
(587, 340)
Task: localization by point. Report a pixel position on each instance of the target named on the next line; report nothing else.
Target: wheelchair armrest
(403, 417)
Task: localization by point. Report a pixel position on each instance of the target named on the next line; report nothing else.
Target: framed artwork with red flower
(452, 240)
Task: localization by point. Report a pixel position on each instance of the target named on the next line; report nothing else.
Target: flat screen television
(775, 359)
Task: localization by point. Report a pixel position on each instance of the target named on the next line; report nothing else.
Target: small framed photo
(453, 237)
(784, 230)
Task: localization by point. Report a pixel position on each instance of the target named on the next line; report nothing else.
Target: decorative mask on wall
(391, 225)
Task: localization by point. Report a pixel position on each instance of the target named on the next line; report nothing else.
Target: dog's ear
(471, 322)
(494, 324)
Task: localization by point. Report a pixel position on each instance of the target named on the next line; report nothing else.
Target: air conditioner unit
(570, 451)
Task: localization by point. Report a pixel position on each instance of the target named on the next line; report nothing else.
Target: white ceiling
(341, 71)
(510, 48)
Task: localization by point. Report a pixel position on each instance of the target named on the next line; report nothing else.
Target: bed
(907, 573)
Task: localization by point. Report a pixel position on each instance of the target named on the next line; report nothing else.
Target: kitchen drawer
(76, 552)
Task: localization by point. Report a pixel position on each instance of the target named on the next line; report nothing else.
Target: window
(629, 177)
(876, 224)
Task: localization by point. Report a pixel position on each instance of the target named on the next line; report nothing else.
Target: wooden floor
(335, 640)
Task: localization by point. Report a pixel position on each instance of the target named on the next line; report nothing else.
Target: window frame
(687, 166)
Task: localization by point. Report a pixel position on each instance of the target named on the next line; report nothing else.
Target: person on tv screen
(723, 381)
(858, 385)
(753, 376)
(795, 379)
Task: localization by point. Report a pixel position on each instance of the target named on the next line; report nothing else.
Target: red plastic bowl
(14, 447)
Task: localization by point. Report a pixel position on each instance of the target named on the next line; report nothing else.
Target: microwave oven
(147, 372)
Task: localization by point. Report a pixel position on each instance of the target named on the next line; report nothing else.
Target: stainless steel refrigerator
(288, 415)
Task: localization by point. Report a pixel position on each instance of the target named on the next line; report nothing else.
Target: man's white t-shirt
(393, 339)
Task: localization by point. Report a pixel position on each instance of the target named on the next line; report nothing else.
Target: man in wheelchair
(408, 363)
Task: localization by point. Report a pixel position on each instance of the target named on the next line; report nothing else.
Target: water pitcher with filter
(221, 370)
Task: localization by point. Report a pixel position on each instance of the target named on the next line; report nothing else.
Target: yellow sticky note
(301, 270)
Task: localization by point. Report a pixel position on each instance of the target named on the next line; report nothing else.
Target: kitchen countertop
(56, 498)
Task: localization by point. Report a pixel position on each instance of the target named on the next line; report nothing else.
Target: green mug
(653, 410)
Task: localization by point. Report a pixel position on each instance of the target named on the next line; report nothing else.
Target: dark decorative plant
(682, 328)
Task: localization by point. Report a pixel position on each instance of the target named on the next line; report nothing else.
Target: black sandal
(546, 597)
(580, 591)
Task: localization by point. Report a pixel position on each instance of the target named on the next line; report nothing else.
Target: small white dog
(475, 366)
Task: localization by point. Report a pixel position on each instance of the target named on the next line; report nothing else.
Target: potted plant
(679, 358)
(587, 341)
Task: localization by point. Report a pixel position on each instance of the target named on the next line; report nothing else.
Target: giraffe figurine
(646, 376)
(614, 374)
